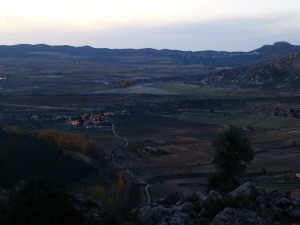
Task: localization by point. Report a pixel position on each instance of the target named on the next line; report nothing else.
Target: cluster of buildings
(92, 121)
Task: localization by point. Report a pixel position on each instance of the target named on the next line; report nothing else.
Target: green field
(188, 89)
(185, 89)
(278, 122)
(241, 119)
(283, 180)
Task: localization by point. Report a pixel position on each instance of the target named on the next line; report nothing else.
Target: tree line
(71, 141)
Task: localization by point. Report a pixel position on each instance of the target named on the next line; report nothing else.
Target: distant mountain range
(274, 66)
(148, 55)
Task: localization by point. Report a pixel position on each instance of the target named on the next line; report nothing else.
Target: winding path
(134, 176)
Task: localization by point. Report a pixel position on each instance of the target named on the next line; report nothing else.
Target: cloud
(227, 34)
(188, 25)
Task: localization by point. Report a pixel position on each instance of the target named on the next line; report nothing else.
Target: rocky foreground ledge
(246, 205)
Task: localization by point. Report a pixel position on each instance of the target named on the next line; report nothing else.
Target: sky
(194, 25)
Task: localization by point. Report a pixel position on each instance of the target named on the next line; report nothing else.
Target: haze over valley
(149, 112)
(141, 122)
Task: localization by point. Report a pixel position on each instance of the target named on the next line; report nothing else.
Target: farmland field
(241, 118)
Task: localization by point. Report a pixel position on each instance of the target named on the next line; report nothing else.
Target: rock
(294, 212)
(171, 199)
(256, 207)
(187, 208)
(237, 217)
(19, 186)
(89, 207)
(245, 190)
(201, 196)
(152, 215)
(167, 212)
(285, 202)
(178, 219)
(213, 196)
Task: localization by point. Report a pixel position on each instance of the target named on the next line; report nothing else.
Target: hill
(279, 73)
(147, 55)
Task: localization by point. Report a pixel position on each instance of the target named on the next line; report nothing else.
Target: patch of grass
(186, 89)
(285, 180)
(189, 89)
(278, 122)
(237, 118)
(241, 118)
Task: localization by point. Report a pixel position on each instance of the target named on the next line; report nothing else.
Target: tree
(233, 154)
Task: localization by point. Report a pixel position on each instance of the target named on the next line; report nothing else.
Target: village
(91, 121)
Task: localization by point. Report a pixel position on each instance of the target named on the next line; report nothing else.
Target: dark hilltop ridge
(148, 55)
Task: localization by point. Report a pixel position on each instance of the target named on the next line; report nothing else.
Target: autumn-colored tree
(120, 184)
(73, 142)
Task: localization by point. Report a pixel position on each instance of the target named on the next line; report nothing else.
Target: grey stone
(213, 196)
(237, 217)
(89, 207)
(153, 215)
(294, 212)
(187, 208)
(201, 196)
(285, 202)
(178, 219)
(245, 190)
(258, 207)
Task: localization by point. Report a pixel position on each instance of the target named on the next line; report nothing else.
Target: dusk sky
(229, 25)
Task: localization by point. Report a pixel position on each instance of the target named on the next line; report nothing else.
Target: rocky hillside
(246, 205)
(279, 73)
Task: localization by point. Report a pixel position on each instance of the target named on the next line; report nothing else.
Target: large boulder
(294, 212)
(213, 196)
(245, 190)
(169, 210)
(177, 219)
(89, 206)
(152, 214)
(237, 217)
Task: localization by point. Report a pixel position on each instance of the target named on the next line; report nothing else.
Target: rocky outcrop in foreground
(246, 205)
(89, 207)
